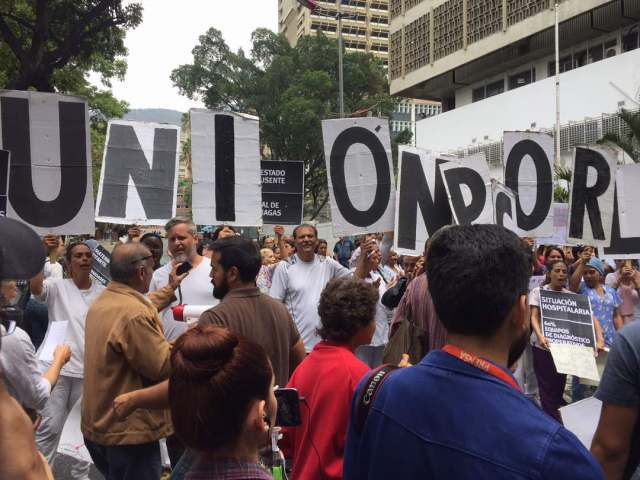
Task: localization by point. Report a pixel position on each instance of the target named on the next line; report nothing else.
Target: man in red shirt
(328, 377)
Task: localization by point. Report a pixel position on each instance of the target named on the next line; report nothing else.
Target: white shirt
(196, 289)
(299, 285)
(21, 371)
(67, 302)
(52, 270)
(383, 314)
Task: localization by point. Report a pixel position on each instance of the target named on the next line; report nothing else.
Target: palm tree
(629, 141)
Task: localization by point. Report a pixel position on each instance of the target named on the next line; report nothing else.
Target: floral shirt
(603, 309)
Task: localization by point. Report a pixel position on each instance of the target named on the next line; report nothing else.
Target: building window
(580, 59)
(521, 79)
(566, 64)
(478, 94)
(495, 88)
(630, 41)
(596, 53)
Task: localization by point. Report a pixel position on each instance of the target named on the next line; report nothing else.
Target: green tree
(629, 141)
(51, 45)
(291, 89)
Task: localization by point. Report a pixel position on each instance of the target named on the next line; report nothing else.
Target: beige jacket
(125, 350)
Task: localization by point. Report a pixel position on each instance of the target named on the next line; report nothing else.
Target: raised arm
(576, 277)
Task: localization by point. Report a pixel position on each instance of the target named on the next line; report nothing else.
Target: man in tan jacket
(125, 350)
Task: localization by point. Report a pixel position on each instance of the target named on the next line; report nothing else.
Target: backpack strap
(368, 394)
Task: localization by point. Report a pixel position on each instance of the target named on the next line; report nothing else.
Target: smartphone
(184, 268)
(288, 407)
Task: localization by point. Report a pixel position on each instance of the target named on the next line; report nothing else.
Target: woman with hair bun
(222, 403)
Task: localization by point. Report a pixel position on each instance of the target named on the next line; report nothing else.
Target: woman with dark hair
(154, 243)
(328, 378)
(222, 403)
(551, 383)
(626, 280)
(67, 300)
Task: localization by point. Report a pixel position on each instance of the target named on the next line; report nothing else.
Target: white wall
(584, 92)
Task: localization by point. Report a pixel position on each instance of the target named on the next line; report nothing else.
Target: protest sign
(560, 226)
(528, 171)
(71, 439)
(100, 269)
(50, 181)
(581, 418)
(621, 248)
(282, 192)
(592, 195)
(504, 206)
(225, 156)
(4, 181)
(576, 360)
(139, 177)
(360, 175)
(566, 318)
(420, 185)
(468, 184)
(628, 195)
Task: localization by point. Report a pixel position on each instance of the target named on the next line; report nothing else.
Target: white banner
(225, 155)
(422, 206)
(592, 195)
(628, 184)
(468, 184)
(139, 177)
(360, 175)
(50, 181)
(504, 207)
(528, 171)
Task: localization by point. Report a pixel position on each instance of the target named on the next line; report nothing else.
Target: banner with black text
(282, 192)
(360, 175)
(225, 156)
(139, 177)
(50, 180)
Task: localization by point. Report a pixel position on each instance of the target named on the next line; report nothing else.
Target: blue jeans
(126, 462)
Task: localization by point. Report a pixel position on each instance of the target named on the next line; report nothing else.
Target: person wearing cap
(588, 279)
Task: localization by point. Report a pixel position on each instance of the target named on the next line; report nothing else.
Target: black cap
(22, 253)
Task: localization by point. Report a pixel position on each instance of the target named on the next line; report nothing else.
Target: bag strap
(368, 394)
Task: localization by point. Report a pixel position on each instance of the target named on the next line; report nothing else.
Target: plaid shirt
(204, 469)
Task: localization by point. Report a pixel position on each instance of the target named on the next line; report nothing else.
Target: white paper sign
(360, 175)
(71, 439)
(575, 360)
(582, 418)
(560, 226)
(50, 179)
(592, 195)
(139, 177)
(504, 207)
(55, 336)
(528, 161)
(225, 155)
(422, 206)
(628, 183)
(468, 184)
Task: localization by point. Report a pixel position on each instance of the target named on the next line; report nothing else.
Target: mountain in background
(156, 115)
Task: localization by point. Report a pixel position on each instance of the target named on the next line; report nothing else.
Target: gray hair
(181, 220)
(125, 260)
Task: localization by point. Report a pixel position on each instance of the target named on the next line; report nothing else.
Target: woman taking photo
(551, 383)
(222, 403)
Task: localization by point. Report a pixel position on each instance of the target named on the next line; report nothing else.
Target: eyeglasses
(133, 262)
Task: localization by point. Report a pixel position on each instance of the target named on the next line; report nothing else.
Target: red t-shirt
(327, 379)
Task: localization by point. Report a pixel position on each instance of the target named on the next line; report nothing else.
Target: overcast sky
(168, 33)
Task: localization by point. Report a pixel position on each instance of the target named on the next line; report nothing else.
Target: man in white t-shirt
(196, 288)
(299, 281)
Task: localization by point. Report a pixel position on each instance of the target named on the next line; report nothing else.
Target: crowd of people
(433, 365)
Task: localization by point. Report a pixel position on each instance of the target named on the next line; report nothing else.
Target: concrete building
(491, 63)
(408, 111)
(365, 25)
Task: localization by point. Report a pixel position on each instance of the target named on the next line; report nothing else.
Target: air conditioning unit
(611, 51)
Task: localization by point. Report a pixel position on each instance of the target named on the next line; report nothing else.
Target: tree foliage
(291, 89)
(51, 45)
(629, 141)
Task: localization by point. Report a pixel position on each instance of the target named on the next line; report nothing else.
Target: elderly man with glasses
(125, 350)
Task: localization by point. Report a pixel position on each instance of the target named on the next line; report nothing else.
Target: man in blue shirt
(343, 250)
(459, 414)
